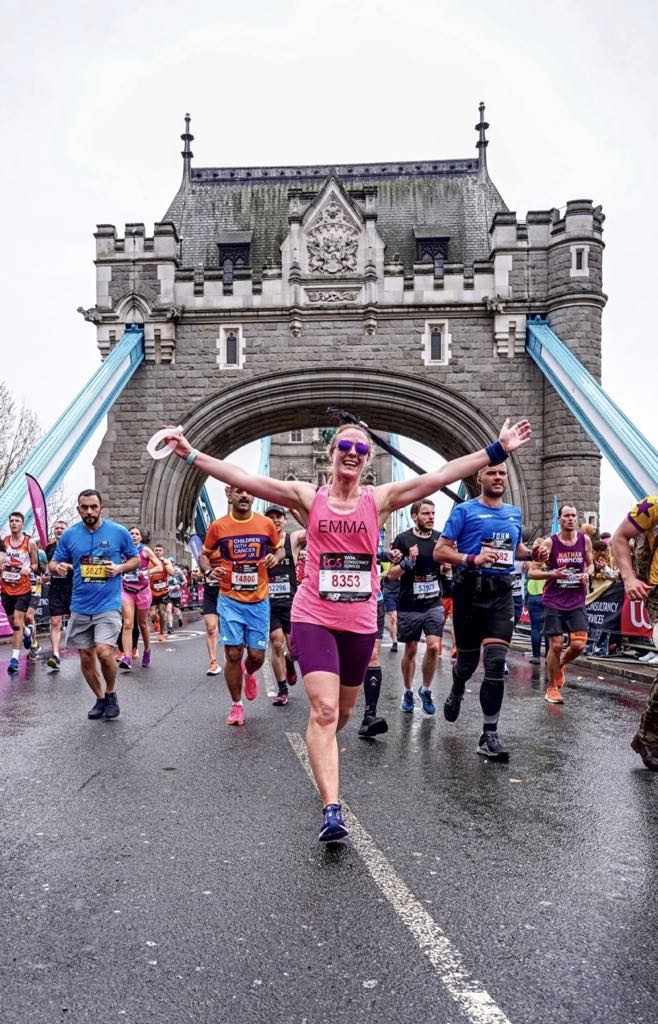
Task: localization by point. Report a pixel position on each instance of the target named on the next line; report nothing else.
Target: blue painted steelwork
(58, 449)
(401, 520)
(203, 513)
(631, 455)
(263, 470)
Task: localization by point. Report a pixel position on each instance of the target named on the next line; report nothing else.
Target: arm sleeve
(644, 514)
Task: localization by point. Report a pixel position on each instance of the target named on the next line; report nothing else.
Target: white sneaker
(650, 658)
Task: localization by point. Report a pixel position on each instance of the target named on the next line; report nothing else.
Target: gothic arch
(426, 411)
(134, 308)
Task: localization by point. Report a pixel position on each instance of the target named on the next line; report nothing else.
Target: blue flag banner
(555, 526)
(194, 546)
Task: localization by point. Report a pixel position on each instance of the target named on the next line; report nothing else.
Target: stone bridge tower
(397, 290)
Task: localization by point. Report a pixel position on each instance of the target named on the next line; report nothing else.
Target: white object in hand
(167, 449)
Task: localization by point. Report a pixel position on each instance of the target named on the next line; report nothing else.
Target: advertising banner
(39, 509)
(604, 613)
(635, 619)
(5, 628)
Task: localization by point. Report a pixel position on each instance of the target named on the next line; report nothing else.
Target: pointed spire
(481, 144)
(187, 153)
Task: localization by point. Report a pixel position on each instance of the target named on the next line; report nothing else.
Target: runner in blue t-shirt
(482, 539)
(98, 551)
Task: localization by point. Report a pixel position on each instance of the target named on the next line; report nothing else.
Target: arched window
(227, 271)
(436, 345)
(231, 349)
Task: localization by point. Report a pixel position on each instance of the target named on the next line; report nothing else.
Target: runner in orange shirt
(241, 547)
(19, 559)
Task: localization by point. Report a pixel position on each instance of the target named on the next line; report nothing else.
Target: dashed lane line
(471, 997)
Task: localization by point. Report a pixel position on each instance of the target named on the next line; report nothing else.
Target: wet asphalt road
(164, 868)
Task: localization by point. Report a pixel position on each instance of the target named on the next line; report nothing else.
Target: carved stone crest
(335, 295)
(332, 242)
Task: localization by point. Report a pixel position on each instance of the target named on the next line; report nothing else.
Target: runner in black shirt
(283, 585)
(59, 599)
(420, 609)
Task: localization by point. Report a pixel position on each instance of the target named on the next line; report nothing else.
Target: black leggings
(135, 636)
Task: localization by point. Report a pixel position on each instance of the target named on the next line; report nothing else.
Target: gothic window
(296, 436)
(233, 253)
(230, 348)
(579, 259)
(437, 342)
(431, 247)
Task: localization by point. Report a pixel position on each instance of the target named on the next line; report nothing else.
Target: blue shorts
(244, 625)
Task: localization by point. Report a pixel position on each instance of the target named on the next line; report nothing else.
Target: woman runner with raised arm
(334, 613)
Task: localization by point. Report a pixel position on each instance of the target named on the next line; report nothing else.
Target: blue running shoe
(407, 701)
(334, 828)
(426, 701)
(27, 637)
(12, 666)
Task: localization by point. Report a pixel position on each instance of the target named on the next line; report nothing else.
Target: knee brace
(494, 662)
(465, 665)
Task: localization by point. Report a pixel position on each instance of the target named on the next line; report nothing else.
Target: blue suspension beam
(631, 455)
(58, 449)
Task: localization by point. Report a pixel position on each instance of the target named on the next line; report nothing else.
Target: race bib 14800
(345, 577)
(244, 577)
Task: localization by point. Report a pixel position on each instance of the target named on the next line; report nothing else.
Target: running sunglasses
(359, 447)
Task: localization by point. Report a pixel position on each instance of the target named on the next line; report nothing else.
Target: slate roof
(216, 201)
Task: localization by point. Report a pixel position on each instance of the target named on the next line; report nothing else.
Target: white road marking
(471, 997)
(269, 678)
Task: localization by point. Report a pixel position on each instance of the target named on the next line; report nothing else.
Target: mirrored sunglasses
(359, 447)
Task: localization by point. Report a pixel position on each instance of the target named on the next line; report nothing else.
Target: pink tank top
(340, 584)
(138, 579)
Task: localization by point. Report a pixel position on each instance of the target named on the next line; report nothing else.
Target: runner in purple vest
(570, 565)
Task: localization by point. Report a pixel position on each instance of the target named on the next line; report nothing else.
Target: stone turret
(575, 302)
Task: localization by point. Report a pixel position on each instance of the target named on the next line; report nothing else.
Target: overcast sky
(94, 96)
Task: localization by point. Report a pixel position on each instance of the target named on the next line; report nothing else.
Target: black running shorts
(555, 622)
(210, 595)
(59, 601)
(15, 603)
(482, 608)
(280, 616)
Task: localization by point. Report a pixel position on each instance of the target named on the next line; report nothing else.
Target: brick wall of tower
(572, 463)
